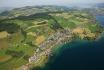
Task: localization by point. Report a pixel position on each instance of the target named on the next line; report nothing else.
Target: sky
(20, 3)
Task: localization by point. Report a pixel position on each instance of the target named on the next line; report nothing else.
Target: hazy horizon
(21, 3)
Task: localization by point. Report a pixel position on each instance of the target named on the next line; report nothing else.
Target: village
(45, 49)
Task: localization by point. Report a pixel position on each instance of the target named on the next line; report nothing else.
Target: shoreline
(42, 56)
(57, 39)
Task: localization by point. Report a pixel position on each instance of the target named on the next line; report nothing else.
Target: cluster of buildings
(45, 48)
(59, 37)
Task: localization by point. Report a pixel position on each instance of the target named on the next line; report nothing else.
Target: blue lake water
(100, 19)
(79, 55)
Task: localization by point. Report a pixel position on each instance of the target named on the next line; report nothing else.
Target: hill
(29, 10)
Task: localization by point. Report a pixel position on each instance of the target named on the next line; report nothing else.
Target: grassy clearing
(40, 39)
(11, 64)
(3, 34)
(4, 58)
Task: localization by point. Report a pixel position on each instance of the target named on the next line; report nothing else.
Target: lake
(100, 19)
(82, 55)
